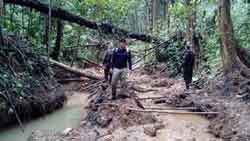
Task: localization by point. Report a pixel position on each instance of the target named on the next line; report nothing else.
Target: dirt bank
(28, 88)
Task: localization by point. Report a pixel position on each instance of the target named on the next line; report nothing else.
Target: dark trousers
(188, 74)
(188, 82)
(107, 74)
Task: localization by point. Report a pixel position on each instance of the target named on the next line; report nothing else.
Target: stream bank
(67, 117)
(28, 88)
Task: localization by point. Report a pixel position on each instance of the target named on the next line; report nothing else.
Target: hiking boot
(113, 98)
(113, 93)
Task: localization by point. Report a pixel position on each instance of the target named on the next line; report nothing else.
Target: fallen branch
(142, 90)
(173, 112)
(75, 70)
(152, 98)
(109, 104)
(94, 85)
(92, 62)
(171, 108)
(152, 108)
(71, 79)
(138, 103)
(8, 99)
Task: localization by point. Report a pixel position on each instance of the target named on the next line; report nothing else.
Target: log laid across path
(173, 112)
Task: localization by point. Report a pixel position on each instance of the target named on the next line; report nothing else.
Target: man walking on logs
(188, 65)
(121, 61)
(107, 64)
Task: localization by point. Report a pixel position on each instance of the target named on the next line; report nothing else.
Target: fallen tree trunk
(72, 80)
(152, 98)
(170, 108)
(75, 70)
(67, 16)
(172, 112)
(92, 62)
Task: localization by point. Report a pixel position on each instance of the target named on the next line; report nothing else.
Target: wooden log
(71, 80)
(153, 108)
(172, 112)
(152, 98)
(138, 103)
(8, 99)
(109, 104)
(92, 62)
(171, 108)
(75, 70)
(143, 90)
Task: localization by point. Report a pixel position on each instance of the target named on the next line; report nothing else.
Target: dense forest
(48, 45)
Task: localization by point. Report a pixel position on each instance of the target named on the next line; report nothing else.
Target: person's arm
(104, 58)
(112, 59)
(130, 60)
(193, 63)
(183, 58)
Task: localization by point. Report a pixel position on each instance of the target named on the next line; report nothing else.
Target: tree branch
(67, 16)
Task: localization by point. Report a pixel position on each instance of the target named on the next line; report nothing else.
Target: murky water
(67, 117)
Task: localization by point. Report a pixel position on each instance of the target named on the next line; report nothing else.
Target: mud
(232, 120)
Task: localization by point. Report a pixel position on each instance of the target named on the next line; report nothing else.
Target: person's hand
(129, 72)
(111, 71)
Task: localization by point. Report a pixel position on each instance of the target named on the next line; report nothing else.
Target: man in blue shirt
(120, 62)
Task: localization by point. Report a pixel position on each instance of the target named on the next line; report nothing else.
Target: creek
(68, 117)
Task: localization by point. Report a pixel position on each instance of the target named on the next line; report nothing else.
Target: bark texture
(229, 53)
(192, 34)
(1, 14)
(56, 51)
(236, 72)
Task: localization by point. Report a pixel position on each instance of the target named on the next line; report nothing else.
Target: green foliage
(133, 15)
(174, 54)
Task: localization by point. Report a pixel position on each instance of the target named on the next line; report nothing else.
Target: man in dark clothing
(107, 64)
(188, 65)
(121, 60)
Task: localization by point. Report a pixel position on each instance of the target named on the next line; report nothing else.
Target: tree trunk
(164, 10)
(56, 51)
(67, 16)
(155, 25)
(192, 35)
(229, 53)
(156, 12)
(233, 67)
(75, 70)
(1, 22)
(46, 30)
(1, 7)
(168, 15)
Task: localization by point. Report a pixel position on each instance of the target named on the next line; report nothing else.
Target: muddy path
(135, 126)
(176, 126)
